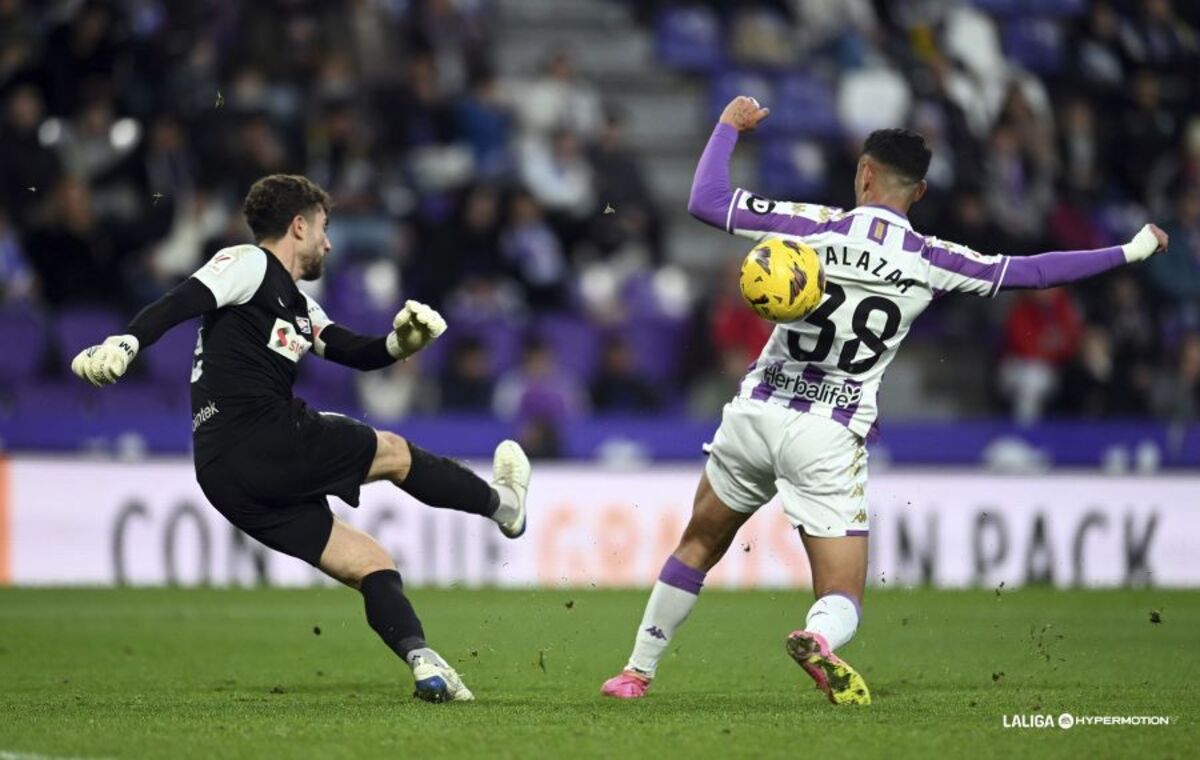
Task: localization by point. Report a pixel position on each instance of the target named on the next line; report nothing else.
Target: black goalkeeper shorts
(273, 484)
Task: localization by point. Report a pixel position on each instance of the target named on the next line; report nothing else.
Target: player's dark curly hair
(274, 201)
(903, 150)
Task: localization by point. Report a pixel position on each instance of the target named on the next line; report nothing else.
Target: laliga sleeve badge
(756, 204)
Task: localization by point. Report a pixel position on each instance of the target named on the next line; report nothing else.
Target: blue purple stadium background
(524, 166)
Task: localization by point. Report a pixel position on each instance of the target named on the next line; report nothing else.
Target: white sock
(427, 654)
(835, 617)
(671, 601)
(507, 511)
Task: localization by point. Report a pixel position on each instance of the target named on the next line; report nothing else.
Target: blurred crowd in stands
(1055, 124)
(130, 130)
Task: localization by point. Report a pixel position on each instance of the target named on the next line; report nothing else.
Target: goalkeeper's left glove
(414, 328)
(103, 364)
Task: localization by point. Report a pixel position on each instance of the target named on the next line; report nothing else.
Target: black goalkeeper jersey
(257, 327)
(248, 350)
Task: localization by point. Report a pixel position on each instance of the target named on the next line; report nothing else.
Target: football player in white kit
(805, 409)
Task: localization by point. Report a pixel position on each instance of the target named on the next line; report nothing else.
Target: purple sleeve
(711, 191)
(1047, 270)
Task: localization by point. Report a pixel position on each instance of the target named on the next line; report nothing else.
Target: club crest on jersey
(285, 341)
(304, 325)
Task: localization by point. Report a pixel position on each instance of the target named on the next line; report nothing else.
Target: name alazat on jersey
(863, 261)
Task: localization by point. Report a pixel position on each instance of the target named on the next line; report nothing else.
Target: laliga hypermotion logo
(1067, 721)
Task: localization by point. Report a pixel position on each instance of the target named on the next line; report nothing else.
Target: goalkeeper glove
(1149, 241)
(414, 328)
(103, 364)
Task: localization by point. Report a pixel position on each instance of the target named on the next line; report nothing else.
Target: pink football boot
(626, 685)
(841, 683)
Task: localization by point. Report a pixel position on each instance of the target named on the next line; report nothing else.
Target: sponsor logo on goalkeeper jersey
(206, 413)
(819, 392)
(285, 341)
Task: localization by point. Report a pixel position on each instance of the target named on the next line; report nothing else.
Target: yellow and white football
(782, 280)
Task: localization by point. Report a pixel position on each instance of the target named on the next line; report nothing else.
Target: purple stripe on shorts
(857, 532)
(958, 263)
(812, 374)
(675, 573)
(843, 414)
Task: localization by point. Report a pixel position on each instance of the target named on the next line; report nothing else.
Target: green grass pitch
(245, 673)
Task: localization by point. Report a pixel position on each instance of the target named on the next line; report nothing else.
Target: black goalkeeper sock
(444, 483)
(390, 613)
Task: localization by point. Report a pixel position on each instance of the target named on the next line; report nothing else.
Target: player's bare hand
(744, 113)
(1149, 241)
(1160, 236)
(414, 328)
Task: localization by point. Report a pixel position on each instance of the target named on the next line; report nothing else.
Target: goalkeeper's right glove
(103, 364)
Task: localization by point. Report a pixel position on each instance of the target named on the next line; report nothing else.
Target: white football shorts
(816, 465)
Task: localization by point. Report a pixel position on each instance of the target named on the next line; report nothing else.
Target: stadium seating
(77, 328)
(1035, 43)
(791, 168)
(574, 342)
(1059, 8)
(170, 359)
(689, 39)
(1002, 8)
(803, 105)
(23, 335)
(728, 85)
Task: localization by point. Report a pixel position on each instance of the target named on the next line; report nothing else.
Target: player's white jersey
(880, 275)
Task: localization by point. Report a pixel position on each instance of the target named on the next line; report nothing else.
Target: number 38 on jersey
(782, 280)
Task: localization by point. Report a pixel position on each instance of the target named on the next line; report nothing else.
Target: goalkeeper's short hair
(274, 201)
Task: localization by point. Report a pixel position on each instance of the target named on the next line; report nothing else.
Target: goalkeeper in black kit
(264, 458)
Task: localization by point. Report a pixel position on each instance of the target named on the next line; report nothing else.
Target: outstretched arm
(711, 200)
(185, 301)
(415, 326)
(958, 268)
(1047, 270)
(716, 202)
(230, 277)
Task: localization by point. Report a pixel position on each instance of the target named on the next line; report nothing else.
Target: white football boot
(438, 682)
(510, 478)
